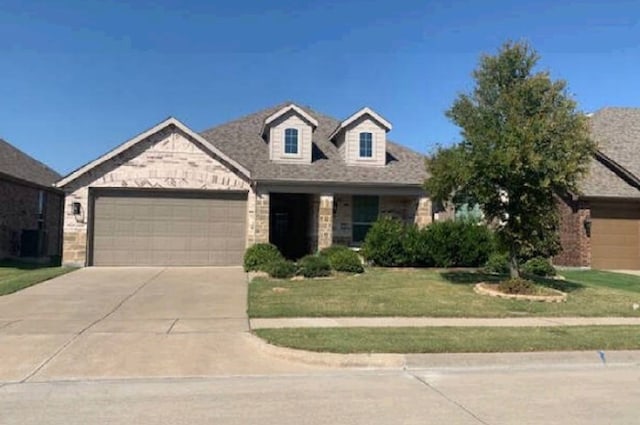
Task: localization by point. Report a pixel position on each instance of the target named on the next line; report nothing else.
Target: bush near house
(342, 259)
(259, 256)
(391, 243)
(281, 269)
(498, 263)
(314, 266)
(538, 266)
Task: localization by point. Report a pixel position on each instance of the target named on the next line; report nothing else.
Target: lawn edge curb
(373, 360)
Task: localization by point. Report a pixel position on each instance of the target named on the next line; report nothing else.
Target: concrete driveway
(131, 322)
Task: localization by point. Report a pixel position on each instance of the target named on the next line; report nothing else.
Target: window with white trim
(366, 145)
(291, 141)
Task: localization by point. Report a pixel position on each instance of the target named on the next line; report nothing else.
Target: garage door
(615, 237)
(168, 228)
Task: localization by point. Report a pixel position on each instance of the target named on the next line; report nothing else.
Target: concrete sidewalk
(325, 322)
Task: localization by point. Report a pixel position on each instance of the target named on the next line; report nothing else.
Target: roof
(241, 140)
(171, 121)
(290, 107)
(615, 170)
(19, 165)
(362, 112)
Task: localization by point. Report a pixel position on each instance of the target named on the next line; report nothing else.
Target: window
(366, 145)
(291, 141)
(365, 213)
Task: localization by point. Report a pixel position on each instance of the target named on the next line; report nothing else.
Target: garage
(615, 236)
(167, 228)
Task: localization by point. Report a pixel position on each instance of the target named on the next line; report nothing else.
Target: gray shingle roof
(617, 133)
(17, 164)
(241, 140)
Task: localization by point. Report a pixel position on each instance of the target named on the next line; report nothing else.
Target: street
(562, 394)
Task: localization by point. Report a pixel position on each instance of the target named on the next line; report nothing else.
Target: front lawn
(430, 293)
(455, 340)
(16, 276)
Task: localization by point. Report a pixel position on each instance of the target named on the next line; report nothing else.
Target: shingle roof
(241, 140)
(617, 133)
(15, 163)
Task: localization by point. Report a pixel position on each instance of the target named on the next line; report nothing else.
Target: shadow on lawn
(470, 278)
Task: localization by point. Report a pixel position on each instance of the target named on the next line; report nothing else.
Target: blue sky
(79, 77)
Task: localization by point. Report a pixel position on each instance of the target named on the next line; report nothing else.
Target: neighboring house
(30, 207)
(600, 228)
(286, 175)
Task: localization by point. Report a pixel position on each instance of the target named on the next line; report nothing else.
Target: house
(600, 228)
(287, 175)
(30, 207)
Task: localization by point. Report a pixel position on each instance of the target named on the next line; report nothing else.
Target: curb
(373, 360)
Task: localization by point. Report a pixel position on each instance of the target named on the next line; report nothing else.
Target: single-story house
(600, 227)
(287, 175)
(30, 207)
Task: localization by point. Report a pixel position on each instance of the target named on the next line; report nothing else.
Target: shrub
(280, 268)
(314, 266)
(416, 244)
(258, 256)
(497, 263)
(517, 286)
(459, 243)
(383, 244)
(538, 267)
(345, 260)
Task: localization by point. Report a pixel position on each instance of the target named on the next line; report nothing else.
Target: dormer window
(366, 145)
(291, 141)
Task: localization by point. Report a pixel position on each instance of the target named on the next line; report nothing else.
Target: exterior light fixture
(77, 208)
(587, 226)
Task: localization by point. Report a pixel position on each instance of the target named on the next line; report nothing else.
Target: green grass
(455, 339)
(426, 292)
(16, 276)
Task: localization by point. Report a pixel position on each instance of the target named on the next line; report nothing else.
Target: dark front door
(289, 224)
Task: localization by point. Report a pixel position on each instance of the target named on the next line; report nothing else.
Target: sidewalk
(325, 322)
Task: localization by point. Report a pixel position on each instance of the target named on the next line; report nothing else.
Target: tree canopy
(523, 140)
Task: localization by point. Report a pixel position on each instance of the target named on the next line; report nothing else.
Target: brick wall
(576, 248)
(19, 211)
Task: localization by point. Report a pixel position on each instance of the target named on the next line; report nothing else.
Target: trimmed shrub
(258, 256)
(538, 267)
(314, 266)
(416, 245)
(345, 260)
(459, 243)
(384, 242)
(280, 268)
(497, 263)
(517, 286)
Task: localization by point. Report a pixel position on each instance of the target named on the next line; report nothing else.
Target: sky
(78, 78)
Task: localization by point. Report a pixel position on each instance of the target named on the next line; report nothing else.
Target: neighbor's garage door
(615, 236)
(137, 228)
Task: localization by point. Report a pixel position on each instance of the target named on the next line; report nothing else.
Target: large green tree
(523, 140)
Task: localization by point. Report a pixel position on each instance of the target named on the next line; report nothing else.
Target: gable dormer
(289, 134)
(362, 138)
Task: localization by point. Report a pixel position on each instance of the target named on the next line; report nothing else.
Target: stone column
(423, 212)
(261, 231)
(325, 221)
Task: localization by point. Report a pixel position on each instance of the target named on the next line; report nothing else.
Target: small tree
(523, 142)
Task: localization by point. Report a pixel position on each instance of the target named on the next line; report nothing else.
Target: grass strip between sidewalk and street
(454, 339)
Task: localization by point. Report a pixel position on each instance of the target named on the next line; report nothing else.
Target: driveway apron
(131, 322)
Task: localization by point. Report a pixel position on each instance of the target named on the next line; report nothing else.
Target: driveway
(131, 322)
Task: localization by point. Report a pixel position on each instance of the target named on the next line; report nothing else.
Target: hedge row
(392, 243)
(266, 257)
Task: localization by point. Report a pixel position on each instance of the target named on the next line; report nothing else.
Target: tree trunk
(514, 270)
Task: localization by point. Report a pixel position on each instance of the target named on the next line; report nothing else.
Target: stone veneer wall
(19, 211)
(576, 245)
(169, 159)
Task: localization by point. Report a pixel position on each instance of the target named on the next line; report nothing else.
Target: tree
(523, 140)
